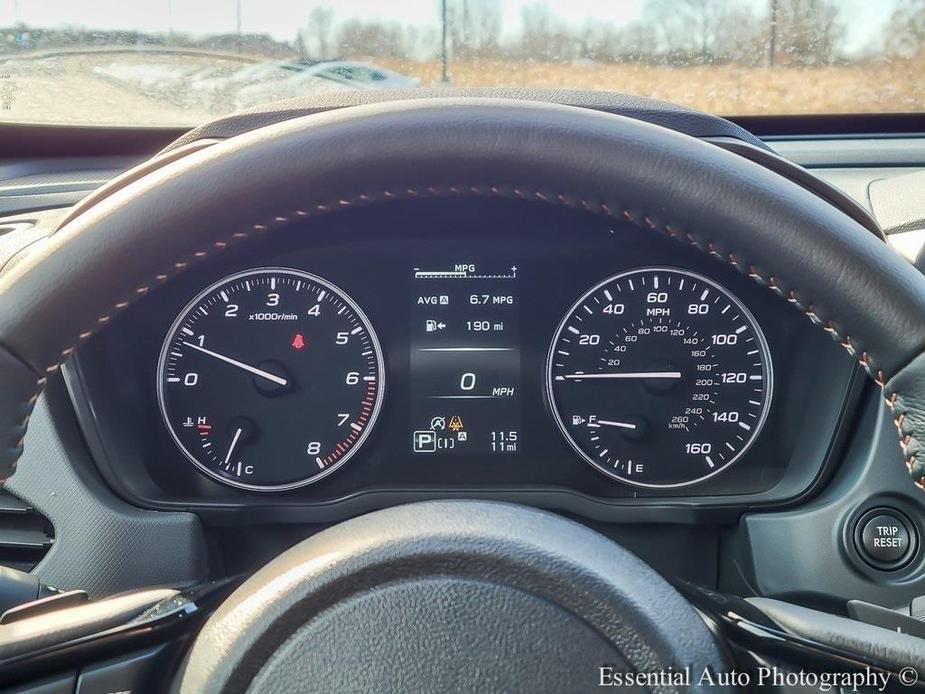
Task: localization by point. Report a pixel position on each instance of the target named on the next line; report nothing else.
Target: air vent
(25, 534)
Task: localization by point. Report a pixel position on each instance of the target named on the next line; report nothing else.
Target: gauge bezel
(749, 317)
(361, 316)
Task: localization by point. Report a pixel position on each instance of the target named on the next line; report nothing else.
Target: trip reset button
(885, 538)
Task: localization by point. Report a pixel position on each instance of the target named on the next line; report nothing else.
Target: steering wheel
(431, 596)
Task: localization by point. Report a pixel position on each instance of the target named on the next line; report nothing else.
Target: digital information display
(465, 360)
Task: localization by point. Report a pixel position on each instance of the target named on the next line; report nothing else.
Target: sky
(283, 18)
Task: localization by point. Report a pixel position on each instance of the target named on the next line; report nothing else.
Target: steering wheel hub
(448, 595)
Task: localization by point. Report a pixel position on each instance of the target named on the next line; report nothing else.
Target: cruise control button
(885, 539)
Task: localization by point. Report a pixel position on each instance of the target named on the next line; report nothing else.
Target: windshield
(176, 63)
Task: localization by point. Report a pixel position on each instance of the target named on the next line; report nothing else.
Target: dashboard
(461, 348)
(470, 348)
(776, 521)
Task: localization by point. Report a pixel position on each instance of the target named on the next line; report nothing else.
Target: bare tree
(635, 42)
(809, 32)
(474, 27)
(371, 38)
(316, 37)
(745, 38)
(591, 40)
(905, 31)
(605, 42)
(300, 46)
(544, 36)
(701, 31)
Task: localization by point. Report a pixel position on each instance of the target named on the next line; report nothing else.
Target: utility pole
(772, 39)
(238, 22)
(465, 25)
(444, 76)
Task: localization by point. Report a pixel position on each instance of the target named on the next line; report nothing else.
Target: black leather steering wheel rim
(771, 230)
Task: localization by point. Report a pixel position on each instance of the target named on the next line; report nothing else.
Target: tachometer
(659, 377)
(270, 379)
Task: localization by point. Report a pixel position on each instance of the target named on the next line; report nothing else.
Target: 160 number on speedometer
(659, 377)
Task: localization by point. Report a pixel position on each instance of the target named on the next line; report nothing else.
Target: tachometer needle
(241, 365)
(234, 442)
(630, 374)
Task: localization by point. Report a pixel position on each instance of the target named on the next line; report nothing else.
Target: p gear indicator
(465, 359)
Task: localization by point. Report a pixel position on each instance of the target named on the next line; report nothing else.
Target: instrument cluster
(463, 348)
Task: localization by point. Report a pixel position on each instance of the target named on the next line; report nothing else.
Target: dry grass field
(726, 89)
(183, 91)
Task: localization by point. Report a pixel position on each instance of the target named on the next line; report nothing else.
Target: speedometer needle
(234, 442)
(241, 365)
(630, 374)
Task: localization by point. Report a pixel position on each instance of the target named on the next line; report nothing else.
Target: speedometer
(659, 377)
(270, 379)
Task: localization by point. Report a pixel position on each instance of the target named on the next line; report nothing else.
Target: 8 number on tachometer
(270, 379)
